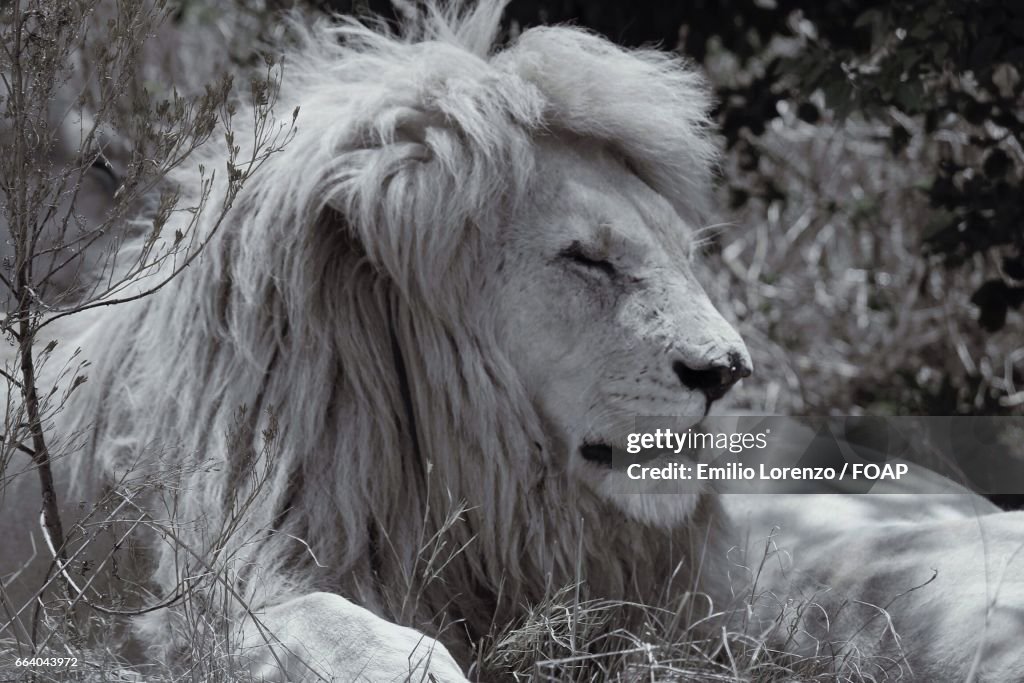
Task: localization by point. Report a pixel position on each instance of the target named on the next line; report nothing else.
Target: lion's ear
(407, 187)
(416, 126)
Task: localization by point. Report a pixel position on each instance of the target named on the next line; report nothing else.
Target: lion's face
(604, 319)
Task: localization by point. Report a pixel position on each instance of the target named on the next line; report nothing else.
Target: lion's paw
(324, 636)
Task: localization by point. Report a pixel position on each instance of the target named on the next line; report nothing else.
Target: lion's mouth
(603, 454)
(597, 453)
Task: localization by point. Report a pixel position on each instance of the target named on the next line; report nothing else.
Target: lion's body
(375, 301)
(912, 586)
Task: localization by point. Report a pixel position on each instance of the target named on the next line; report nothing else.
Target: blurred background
(870, 242)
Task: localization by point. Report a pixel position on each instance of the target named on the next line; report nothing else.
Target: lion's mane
(333, 299)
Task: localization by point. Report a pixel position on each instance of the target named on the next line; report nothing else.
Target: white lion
(470, 267)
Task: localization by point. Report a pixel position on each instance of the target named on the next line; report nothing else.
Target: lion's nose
(716, 379)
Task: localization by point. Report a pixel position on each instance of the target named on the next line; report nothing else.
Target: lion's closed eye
(577, 255)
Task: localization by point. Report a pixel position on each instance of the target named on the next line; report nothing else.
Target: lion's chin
(656, 503)
(666, 504)
(663, 510)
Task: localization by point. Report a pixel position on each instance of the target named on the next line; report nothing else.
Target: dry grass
(565, 637)
(684, 638)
